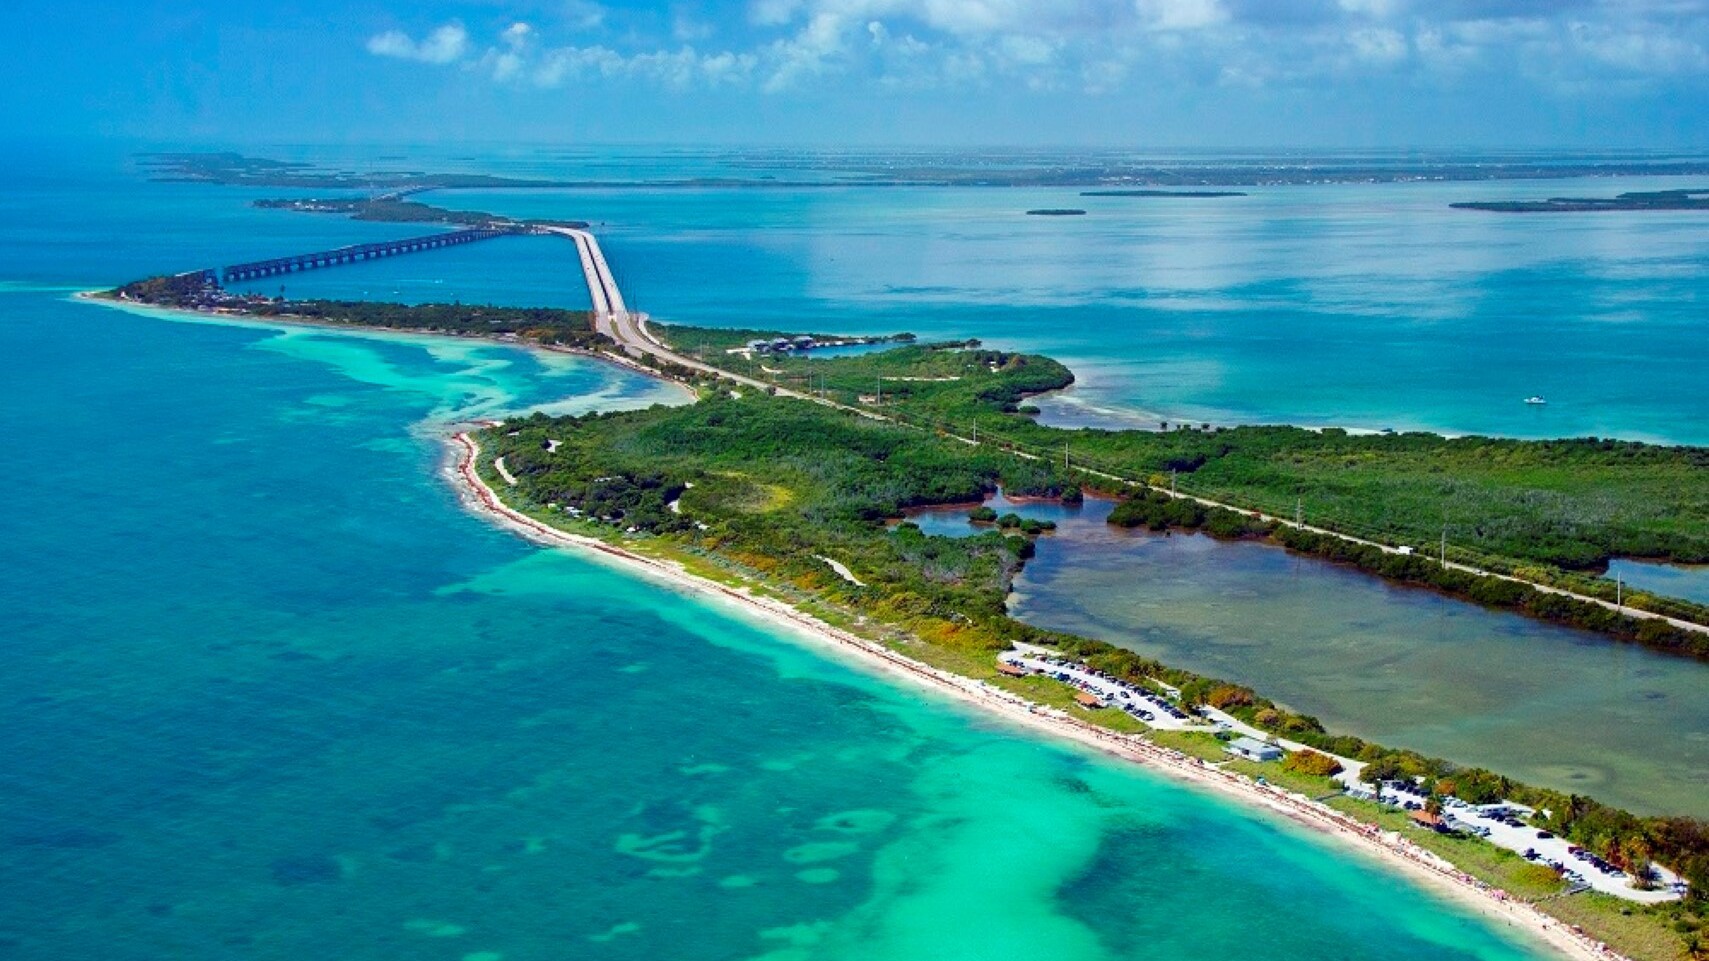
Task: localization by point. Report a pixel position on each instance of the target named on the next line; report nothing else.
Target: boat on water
(1535, 399)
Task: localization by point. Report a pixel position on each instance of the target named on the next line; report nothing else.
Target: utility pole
(1065, 457)
(1299, 512)
(1444, 545)
(1619, 596)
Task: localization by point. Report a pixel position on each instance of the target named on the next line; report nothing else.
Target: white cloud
(689, 29)
(1378, 45)
(1098, 46)
(446, 44)
(680, 69)
(583, 14)
(1180, 14)
(504, 66)
(1637, 51)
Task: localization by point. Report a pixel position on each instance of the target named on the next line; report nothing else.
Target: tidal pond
(1401, 666)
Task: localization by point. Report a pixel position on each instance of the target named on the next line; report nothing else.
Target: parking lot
(1504, 825)
(1146, 705)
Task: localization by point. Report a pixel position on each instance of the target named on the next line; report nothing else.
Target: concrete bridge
(611, 316)
(353, 253)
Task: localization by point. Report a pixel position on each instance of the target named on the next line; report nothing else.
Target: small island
(1684, 199)
(1056, 212)
(393, 208)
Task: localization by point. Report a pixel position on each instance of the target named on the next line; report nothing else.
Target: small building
(759, 346)
(1253, 750)
(1013, 670)
(803, 343)
(1426, 819)
(1088, 700)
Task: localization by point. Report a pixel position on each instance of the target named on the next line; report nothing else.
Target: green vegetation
(394, 209)
(234, 169)
(1507, 594)
(1549, 512)
(770, 485)
(174, 290)
(704, 342)
(543, 325)
(1158, 511)
(1686, 199)
(758, 489)
(1311, 763)
(1277, 774)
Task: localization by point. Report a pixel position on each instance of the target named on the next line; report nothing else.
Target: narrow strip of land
(629, 330)
(1393, 849)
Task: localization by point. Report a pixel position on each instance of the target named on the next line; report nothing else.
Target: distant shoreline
(1195, 194)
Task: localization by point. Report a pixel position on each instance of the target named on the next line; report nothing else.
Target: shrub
(1311, 762)
(1229, 695)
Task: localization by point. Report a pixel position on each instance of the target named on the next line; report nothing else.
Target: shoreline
(285, 323)
(1389, 850)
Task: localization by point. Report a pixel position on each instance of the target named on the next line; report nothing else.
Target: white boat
(1534, 399)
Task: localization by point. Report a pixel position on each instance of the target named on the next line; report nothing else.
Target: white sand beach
(1391, 850)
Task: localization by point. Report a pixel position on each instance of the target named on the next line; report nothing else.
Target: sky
(1095, 73)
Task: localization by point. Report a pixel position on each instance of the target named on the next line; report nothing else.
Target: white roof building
(1253, 750)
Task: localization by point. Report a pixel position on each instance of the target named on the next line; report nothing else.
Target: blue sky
(1195, 73)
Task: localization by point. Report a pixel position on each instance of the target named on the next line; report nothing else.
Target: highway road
(628, 330)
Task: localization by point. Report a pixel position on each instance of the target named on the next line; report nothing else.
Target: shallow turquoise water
(1358, 305)
(270, 693)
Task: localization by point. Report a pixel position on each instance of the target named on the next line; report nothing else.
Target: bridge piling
(355, 253)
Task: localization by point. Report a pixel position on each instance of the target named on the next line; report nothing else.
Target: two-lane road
(629, 330)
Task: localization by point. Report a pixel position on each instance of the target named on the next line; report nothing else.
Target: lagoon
(1401, 666)
(1687, 581)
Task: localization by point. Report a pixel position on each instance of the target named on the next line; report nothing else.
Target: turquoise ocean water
(1358, 305)
(270, 693)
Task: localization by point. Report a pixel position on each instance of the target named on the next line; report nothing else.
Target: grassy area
(1192, 743)
(1569, 503)
(1488, 862)
(1543, 511)
(704, 342)
(1308, 784)
(1643, 934)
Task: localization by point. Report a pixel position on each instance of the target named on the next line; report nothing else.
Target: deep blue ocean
(270, 692)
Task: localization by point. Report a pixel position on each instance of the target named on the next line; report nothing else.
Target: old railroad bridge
(257, 269)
